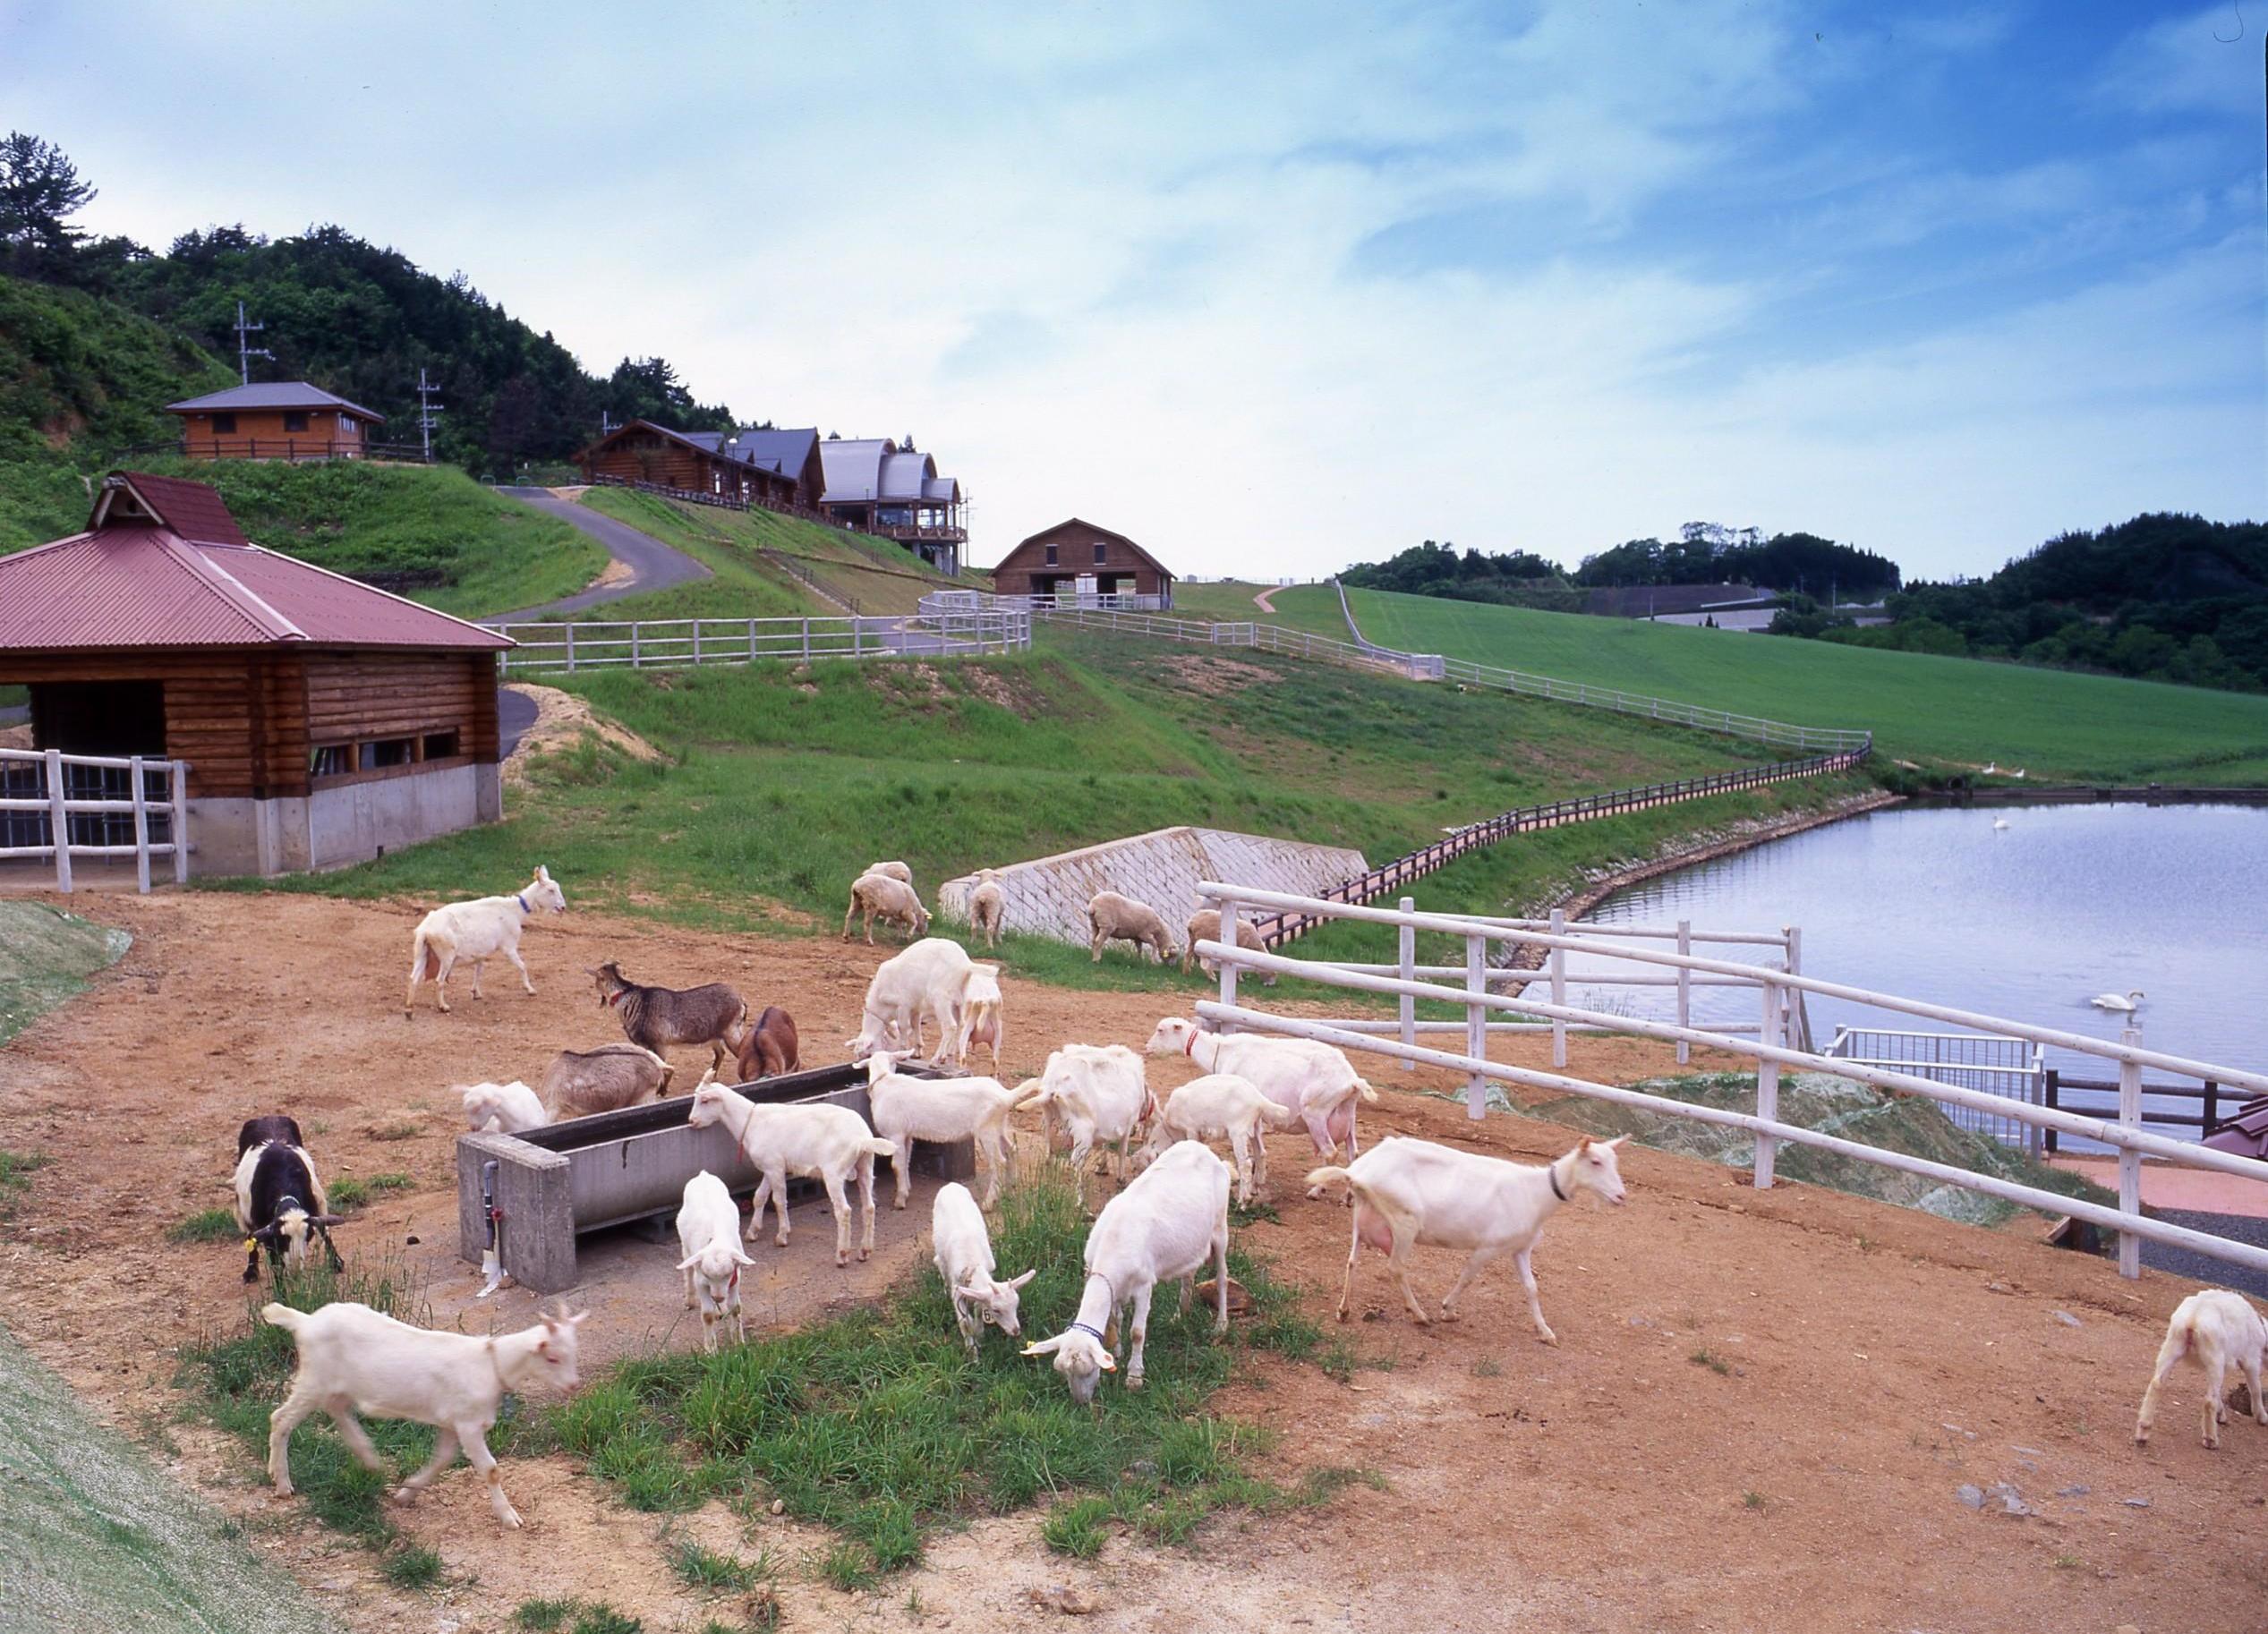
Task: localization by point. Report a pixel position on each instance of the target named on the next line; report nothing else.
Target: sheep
(1161, 1227)
(478, 930)
(503, 1108)
(1205, 925)
(1100, 1091)
(827, 1142)
(888, 898)
(770, 1047)
(709, 1236)
(907, 1108)
(1310, 1078)
(1111, 917)
(353, 1359)
(580, 1082)
(279, 1200)
(896, 871)
(923, 984)
(1408, 1192)
(1219, 1104)
(988, 906)
(656, 1017)
(982, 1021)
(2226, 1334)
(964, 1254)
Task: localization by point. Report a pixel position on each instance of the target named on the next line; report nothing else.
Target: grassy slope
(1959, 711)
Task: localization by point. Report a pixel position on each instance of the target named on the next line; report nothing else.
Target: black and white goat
(279, 1197)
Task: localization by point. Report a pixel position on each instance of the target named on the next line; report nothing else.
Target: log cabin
(274, 419)
(1077, 558)
(323, 721)
(893, 491)
(778, 470)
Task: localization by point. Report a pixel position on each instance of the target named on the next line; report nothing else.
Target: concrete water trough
(554, 1184)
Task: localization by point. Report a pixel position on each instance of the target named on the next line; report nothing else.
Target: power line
(429, 412)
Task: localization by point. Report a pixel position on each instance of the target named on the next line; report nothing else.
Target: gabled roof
(903, 474)
(163, 563)
(1075, 525)
(785, 452)
(713, 443)
(853, 466)
(271, 395)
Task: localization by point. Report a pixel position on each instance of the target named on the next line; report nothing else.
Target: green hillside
(1957, 712)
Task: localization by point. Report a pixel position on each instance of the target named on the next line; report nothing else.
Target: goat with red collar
(1300, 1075)
(479, 931)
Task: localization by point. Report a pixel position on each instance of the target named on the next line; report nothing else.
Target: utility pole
(429, 412)
(606, 427)
(245, 350)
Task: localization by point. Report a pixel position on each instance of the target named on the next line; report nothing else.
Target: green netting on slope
(45, 956)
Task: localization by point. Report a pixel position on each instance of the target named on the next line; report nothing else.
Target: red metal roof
(135, 580)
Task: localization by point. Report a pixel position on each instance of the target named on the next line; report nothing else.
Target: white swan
(1991, 767)
(2111, 1001)
(2000, 823)
(2017, 774)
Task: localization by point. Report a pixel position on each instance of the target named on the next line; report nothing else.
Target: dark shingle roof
(270, 394)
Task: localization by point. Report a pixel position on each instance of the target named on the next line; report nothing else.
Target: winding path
(652, 565)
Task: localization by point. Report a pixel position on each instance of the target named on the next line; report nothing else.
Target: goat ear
(328, 1220)
(1583, 1145)
(543, 873)
(689, 1261)
(977, 1294)
(1615, 1144)
(1045, 1347)
(578, 1319)
(739, 1258)
(1028, 1276)
(1110, 1362)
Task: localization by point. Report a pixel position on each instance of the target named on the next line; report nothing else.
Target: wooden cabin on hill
(274, 419)
(778, 470)
(323, 721)
(893, 491)
(1075, 559)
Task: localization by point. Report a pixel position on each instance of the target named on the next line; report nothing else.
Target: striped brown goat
(656, 1017)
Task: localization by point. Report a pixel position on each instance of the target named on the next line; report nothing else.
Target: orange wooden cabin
(274, 419)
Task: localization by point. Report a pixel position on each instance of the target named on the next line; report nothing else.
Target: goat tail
(1366, 1091)
(883, 1148)
(1277, 1116)
(1030, 1093)
(282, 1316)
(1331, 1174)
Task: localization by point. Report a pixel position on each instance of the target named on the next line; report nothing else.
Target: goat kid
(708, 1237)
(963, 1250)
(2227, 1336)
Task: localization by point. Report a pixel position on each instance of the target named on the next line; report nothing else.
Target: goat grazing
(896, 871)
(886, 898)
(478, 930)
(769, 1048)
(353, 1359)
(1165, 1226)
(1110, 917)
(1219, 1104)
(580, 1082)
(1300, 1075)
(1408, 1192)
(923, 984)
(1099, 1092)
(1205, 925)
(708, 1237)
(964, 1254)
(826, 1142)
(988, 906)
(907, 1108)
(503, 1109)
(656, 1017)
(982, 1019)
(2227, 1336)
(279, 1200)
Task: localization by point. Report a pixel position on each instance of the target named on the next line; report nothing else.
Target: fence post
(2054, 1087)
(635, 654)
(1769, 1030)
(1558, 989)
(2130, 1159)
(571, 646)
(854, 651)
(1231, 940)
(1476, 1021)
(1685, 989)
(2211, 1109)
(807, 641)
(1799, 1031)
(752, 640)
(696, 640)
(58, 820)
(1408, 936)
(141, 827)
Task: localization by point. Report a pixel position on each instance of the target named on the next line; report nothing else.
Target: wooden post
(1477, 1022)
(1685, 989)
(2211, 1111)
(2130, 1159)
(1558, 989)
(2055, 1099)
(141, 827)
(179, 789)
(58, 820)
(1408, 935)
(1798, 1013)
(1230, 941)
(1769, 1031)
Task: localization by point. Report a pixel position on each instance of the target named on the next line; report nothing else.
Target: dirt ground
(1759, 1416)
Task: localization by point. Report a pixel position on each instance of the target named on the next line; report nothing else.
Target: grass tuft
(1076, 1528)
(1706, 1357)
(348, 1193)
(212, 1225)
(412, 1566)
(15, 1169)
(701, 1568)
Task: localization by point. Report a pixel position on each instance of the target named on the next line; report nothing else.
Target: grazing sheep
(478, 930)
(887, 898)
(1165, 1226)
(1307, 1076)
(353, 1359)
(1408, 1192)
(825, 1142)
(2227, 1336)
(656, 1017)
(1219, 1104)
(580, 1082)
(896, 871)
(982, 1014)
(988, 906)
(907, 1108)
(964, 1254)
(279, 1200)
(708, 1237)
(923, 984)
(1205, 925)
(1111, 917)
(1099, 1092)
(503, 1109)
(770, 1047)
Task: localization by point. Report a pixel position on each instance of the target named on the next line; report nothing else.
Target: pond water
(1934, 902)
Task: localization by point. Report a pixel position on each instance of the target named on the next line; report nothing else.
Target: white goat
(478, 930)
(1219, 1104)
(826, 1142)
(886, 898)
(988, 906)
(1165, 1226)
(1099, 1092)
(963, 1253)
(353, 1359)
(2226, 1335)
(1408, 1192)
(1301, 1075)
(503, 1108)
(1111, 917)
(923, 984)
(708, 1237)
(983, 1015)
(907, 1108)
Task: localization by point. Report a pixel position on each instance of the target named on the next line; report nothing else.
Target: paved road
(515, 714)
(2181, 1262)
(653, 565)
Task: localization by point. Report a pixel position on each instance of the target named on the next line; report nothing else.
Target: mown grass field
(1957, 712)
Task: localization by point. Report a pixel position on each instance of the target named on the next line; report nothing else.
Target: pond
(2028, 919)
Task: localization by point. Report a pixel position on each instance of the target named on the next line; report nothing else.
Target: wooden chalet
(1077, 558)
(894, 492)
(747, 467)
(323, 721)
(274, 420)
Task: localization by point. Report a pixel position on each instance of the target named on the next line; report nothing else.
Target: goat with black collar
(280, 1199)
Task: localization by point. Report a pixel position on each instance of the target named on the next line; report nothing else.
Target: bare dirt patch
(563, 721)
(1218, 677)
(1759, 1415)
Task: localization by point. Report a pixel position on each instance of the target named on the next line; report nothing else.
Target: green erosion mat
(45, 956)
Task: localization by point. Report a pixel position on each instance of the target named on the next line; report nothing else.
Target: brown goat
(769, 1048)
(606, 1079)
(656, 1018)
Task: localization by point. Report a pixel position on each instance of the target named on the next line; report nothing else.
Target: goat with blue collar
(280, 1199)
(478, 930)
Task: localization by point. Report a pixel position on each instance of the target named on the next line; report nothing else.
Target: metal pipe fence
(60, 806)
(673, 643)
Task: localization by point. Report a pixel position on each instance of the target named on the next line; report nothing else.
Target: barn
(1077, 558)
(766, 471)
(323, 721)
(274, 420)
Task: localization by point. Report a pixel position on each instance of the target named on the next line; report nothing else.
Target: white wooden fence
(674, 643)
(40, 816)
(1772, 1050)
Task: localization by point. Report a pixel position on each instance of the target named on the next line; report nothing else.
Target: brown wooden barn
(323, 721)
(713, 463)
(274, 419)
(1077, 558)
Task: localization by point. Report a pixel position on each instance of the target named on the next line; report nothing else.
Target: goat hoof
(1547, 1338)
(405, 1495)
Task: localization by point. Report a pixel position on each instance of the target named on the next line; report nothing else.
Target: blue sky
(1273, 288)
